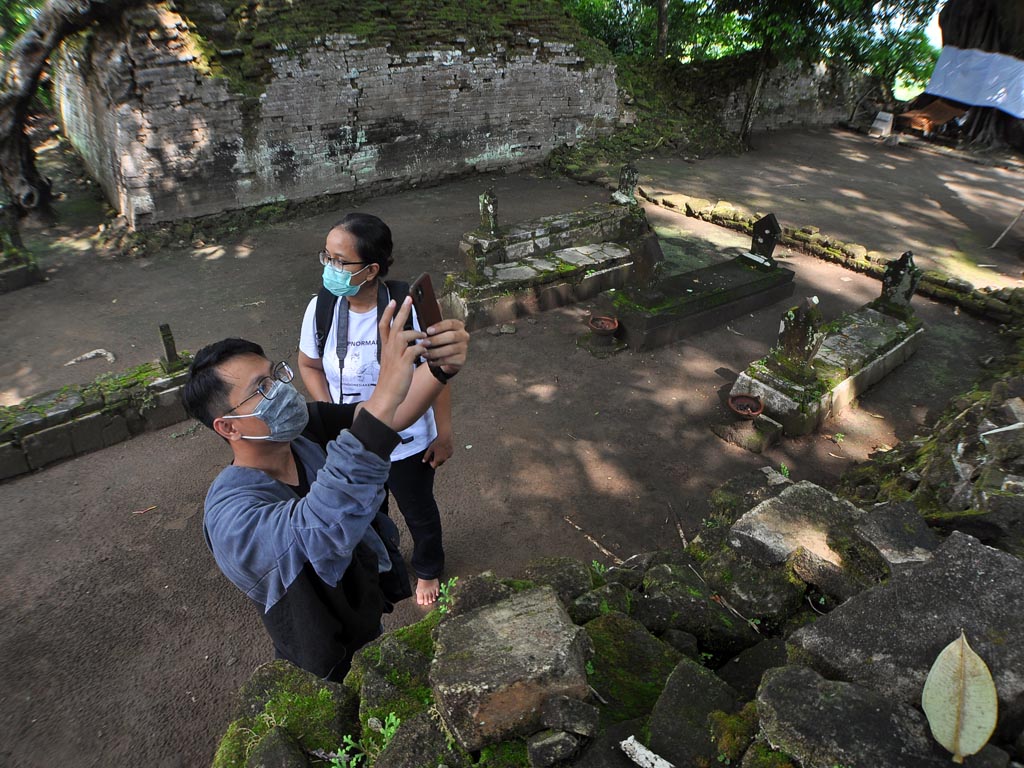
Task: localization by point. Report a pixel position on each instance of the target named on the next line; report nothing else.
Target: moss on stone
(760, 755)
(306, 712)
(732, 733)
(419, 636)
(507, 754)
(630, 667)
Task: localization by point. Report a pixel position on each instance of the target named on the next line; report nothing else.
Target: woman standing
(341, 365)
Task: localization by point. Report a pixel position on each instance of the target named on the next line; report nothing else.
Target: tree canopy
(887, 37)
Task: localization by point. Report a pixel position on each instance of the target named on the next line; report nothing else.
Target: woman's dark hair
(373, 239)
(205, 395)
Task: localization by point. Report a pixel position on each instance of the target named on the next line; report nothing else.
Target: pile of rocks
(798, 630)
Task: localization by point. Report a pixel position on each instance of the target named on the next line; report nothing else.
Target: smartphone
(425, 302)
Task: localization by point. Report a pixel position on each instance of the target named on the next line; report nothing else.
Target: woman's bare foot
(427, 591)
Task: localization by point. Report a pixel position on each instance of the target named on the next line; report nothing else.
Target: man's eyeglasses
(327, 260)
(265, 386)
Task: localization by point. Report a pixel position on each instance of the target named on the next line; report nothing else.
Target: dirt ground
(121, 643)
(887, 198)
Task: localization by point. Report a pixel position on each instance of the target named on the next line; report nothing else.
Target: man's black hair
(373, 239)
(205, 394)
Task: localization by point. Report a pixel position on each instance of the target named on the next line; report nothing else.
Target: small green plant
(590, 668)
(783, 470)
(354, 752)
(444, 600)
(723, 759)
(598, 567)
(838, 437)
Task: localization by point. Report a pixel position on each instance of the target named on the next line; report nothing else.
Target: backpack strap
(386, 291)
(325, 301)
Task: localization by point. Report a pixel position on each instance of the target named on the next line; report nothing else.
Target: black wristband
(439, 373)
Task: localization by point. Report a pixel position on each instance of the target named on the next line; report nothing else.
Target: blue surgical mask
(284, 414)
(339, 281)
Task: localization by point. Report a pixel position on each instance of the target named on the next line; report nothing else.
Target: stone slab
(695, 301)
(823, 723)
(48, 446)
(899, 533)
(166, 409)
(887, 638)
(13, 461)
(495, 667)
(21, 276)
(815, 531)
(847, 352)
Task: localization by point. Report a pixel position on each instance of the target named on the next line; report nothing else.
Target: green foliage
(444, 600)
(783, 470)
(354, 752)
(887, 38)
(15, 17)
(507, 754)
(306, 717)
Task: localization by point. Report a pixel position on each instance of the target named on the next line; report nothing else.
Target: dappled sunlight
(209, 253)
(544, 393)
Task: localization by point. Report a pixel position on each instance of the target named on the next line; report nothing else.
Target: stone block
(20, 276)
(549, 747)
(165, 409)
(567, 576)
(562, 713)
(1012, 410)
(494, 667)
(1005, 443)
(821, 723)
(899, 534)
(610, 597)
(815, 531)
(49, 445)
(679, 721)
(886, 638)
(88, 433)
(744, 671)
(12, 461)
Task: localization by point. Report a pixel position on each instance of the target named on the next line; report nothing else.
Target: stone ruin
(178, 116)
(797, 631)
(815, 371)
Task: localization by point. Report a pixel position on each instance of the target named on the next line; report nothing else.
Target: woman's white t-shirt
(361, 370)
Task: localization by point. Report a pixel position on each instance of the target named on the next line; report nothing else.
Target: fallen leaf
(959, 699)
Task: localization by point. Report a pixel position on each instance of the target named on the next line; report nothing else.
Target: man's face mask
(284, 412)
(339, 281)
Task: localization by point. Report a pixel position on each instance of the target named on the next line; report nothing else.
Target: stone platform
(859, 350)
(695, 301)
(550, 262)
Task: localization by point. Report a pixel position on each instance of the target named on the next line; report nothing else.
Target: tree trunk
(662, 28)
(996, 26)
(19, 78)
(755, 93)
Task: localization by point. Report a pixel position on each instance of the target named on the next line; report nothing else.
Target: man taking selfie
(289, 521)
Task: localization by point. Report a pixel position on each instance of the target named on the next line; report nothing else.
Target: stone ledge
(20, 276)
(1003, 305)
(71, 422)
(863, 348)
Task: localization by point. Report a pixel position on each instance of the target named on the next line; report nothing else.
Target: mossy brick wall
(73, 421)
(175, 126)
(793, 94)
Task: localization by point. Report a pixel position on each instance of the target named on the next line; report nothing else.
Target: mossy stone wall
(197, 108)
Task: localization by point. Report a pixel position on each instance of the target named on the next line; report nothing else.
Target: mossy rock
(420, 742)
(568, 577)
(733, 733)
(507, 754)
(761, 755)
(390, 675)
(281, 696)
(630, 666)
(472, 592)
(769, 594)
(610, 598)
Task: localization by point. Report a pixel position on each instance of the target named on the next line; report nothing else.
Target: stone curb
(1003, 305)
(42, 440)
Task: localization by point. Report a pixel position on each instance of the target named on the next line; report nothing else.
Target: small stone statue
(489, 212)
(800, 336)
(629, 176)
(766, 235)
(900, 281)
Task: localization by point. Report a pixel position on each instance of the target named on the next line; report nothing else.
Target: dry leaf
(959, 699)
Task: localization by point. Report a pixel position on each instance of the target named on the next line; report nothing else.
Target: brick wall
(168, 141)
(794, 94)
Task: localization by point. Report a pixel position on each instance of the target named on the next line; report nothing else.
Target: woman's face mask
(339, 281)
(284, 413)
